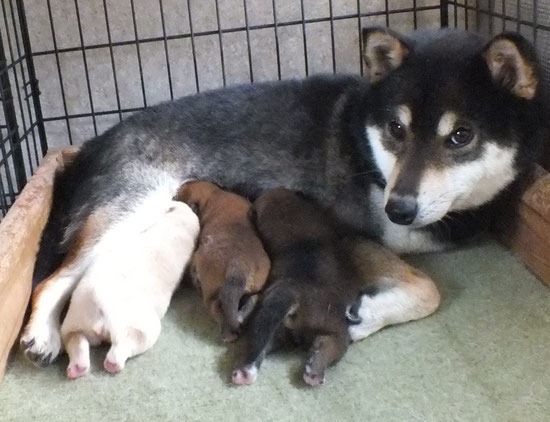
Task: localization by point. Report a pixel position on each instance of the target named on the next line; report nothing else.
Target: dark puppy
(312, 284)
(230, 264)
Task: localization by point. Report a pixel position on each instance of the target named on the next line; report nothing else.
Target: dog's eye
(460, 137)
(397, 130)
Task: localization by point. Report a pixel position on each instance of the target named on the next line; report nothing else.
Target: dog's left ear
(513, 65)
(383, 51)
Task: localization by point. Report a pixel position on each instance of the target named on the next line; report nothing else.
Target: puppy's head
(283, 217)
(196, 194)
(274, 203)
(452, 119)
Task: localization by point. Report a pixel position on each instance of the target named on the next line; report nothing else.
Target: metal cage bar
(23, 126)
(11, 125)
(32, 80)
(85, 61)
(113, 66)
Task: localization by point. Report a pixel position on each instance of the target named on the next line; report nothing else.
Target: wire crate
(69, 69)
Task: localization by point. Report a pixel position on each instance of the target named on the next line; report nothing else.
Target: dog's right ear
(383, 51)
(512, 61)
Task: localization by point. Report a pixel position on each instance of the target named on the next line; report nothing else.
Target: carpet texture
(483, 356)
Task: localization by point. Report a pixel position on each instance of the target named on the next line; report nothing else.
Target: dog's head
(452, 120)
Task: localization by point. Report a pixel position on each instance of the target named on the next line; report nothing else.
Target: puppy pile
(311, 278)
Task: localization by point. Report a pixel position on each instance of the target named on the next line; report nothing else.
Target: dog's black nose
(401, 209)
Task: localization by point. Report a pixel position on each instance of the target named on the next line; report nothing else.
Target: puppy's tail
(231, 292)
(276, 305)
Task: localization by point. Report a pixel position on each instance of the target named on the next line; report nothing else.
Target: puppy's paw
(230, 337)
(76, 371)
(313, 379)
(112, 367)
(245, 376)
(41, 343)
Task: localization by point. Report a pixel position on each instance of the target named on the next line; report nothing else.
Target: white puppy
(127, 289)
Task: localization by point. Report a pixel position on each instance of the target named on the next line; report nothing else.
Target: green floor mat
(483, 356)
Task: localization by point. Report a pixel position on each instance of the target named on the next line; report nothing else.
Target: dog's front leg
(397, 292)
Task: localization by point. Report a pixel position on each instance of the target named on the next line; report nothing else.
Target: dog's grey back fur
(246, 138)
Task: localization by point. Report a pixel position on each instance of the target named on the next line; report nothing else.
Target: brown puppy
(230, 265)
(313, 284)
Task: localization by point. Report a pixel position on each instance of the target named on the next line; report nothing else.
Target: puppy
(313, 284)
(127, 288)
(230, 265)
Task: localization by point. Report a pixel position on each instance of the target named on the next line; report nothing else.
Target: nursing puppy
(127, 289)
(230, 265)
(313, 283)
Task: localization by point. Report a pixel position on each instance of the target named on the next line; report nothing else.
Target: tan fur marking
(504, 52)
(392, 180)
(446, 123)
(395, 54)
(404, 114)
(87, 236)
(376, 262)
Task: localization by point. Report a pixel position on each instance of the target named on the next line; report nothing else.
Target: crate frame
(23, 134)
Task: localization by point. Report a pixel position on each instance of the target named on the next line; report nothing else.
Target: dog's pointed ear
(383, 51)
(513, 65)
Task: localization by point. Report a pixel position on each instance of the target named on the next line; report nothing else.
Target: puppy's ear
(513, 64)
(195, 208)
(185, 195)
(252, 215)
(383, 51)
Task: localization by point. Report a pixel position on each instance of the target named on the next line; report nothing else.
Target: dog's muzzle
(401, 209)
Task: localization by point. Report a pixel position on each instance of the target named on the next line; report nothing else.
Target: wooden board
(20, 232)
(530, 235)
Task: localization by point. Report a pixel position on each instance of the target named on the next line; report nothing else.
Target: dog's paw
(313, 379)
(230, 337)
(245, 376)
(368, 323)
(364, 329)
(41, 344)
(76, 371)
(112, 367)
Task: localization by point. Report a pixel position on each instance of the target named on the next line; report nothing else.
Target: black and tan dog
(230, 264)
(428, 152)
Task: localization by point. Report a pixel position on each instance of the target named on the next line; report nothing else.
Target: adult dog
(419, 158)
